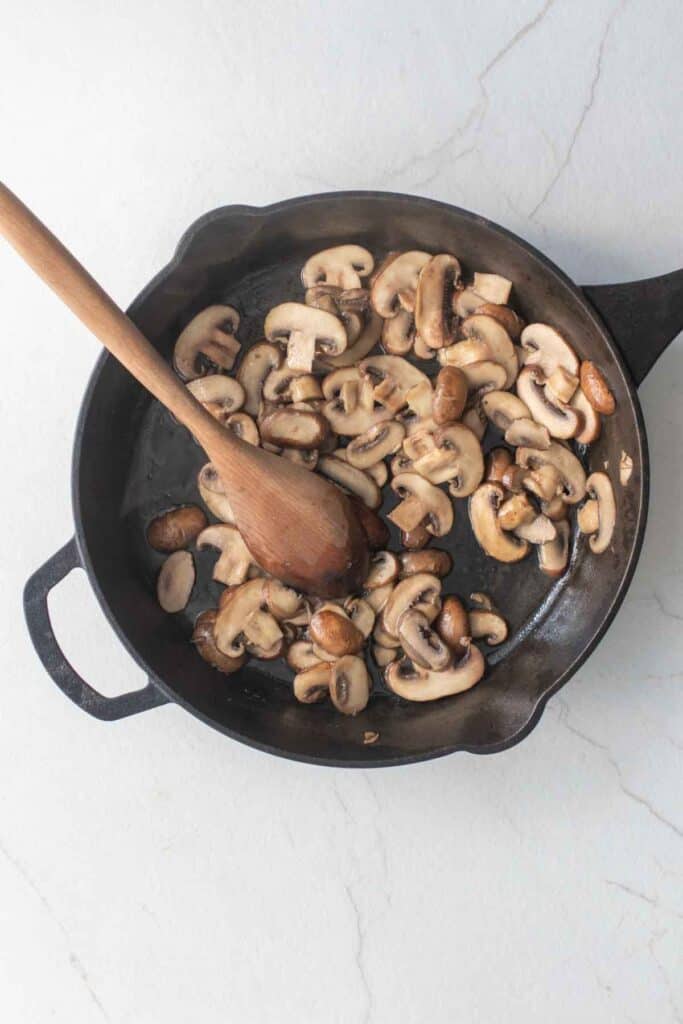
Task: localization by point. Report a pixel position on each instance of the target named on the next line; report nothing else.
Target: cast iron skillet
(130, 460)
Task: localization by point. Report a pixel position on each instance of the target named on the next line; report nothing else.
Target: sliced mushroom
(281, 601)
(596, 388)
(562, 384)
(566, 464)
(235, 558)
(343, 266)
(175, 581)
(361, 613)
(300, 656)
(415, 539)
(334, 300)
(244, 427)
(497, 461)
(392, 378)
(599, 487)
(176, 528)
(457, 458)
(398, 333)
(219, 394)
(492, 333)
(343, 383)
(453, 625)
(420, 591)
(334, 631)
(381, 636)
(243, 622)
(401, 463)
(349, 685)
(492, 288)
(527, 432)
(363, 345)
(294, 428)
(545, 348)
(435, 562)
(450, 395)
(417, 684)
(465, 302)
(514, 479)
(515, 511)
(554, 554)
(484, 376)
(379, 473)
(512, 323)
(312, 684)
(204, 641)
(375, 444)
(423, 503)
(417, 445)
(545, 482)
(475, 419)
(378, 597)
(351, 479)
(489, 625)
(561, 420)
(555, 509)
(277, 387)
(591, 423)
(503, 408)
(384, 655)
(481, 600)
(433, 317)
(384, 568)
(254, 368)
(484, 506)
(357, 421)
(462, 353)
(306, 332)
(538, 530)
(396, 284)
(207, 342)
(421, 643)
(213, 493)
(306, 389)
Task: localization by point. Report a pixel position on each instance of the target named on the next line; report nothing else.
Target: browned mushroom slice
(396, 284)
(312, 684)
(598, 516)
(545, 348)
(420, 591)
(361, 613)
(175, 581)
(545, 482)
(596, 388)
(351, 479)
(294, 428)
(235, 558)
(438, 563)
(360, 416)
(492, 287)
(301, 656)
(554, 554)
(555, 509)
(488, 625)
(512, 323)
(561, 420)
(253, 370)
(213, 493)
(207, 342)
(375, 444)
(417, 684)
(219, 394)
(514, 479)
(392, 378)
(415, 539)
(398, 334)
(421, 502)
(364, 344)
(306, 332)
(492, 333)
(384, 655)
(242, 621)
(303, 457)
(566, 464)
(203, 639)
(497, 461)
(278, 385)
(456, 458)
(453, 625)
(378, 597)
(243, 425)
(529, 433)
(379, 473)
(515, 511)
(450, 395)
(333, 630)
(349, 685)
(484, 506)
(591, 422)
(503, 408)
(384, 568)
(343, 266)
(562, 384)
(421, 643)
(176, 528)
(462, 353)
(381, 636)
(466, 302)
(433, 319)
(484, 376)
(281, 601)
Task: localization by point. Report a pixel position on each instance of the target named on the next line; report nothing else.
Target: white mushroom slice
(466, 302)
(312, 685)
(417, 684)
(515, 511)
(484, 506)
(392, 378)
(343, 266)
(375, 444)
(555, 509)
(243, 619)
(333, 384)
(381, 636)
(306, 332)
(300, 656)
(254, 368)
(599, 487)
(363, 345)
(503, 408)
(378, 597)
(484, 376)
(512, 323)
(241, 424)
(554, 554)
(493, 334)
(213, 494)
(395, 285)
(489, 625)
(349, 685)
(475, 419)
(384, 568)
(336, 301)
(207, 342)
(419, 444)
(492, 287)
(566, 464)
(457, 457)
(277, 387)
(351, 479)
(306, 389)
(294, 428)
(420, 398)
(235, 558)
(220, 394)
(562, 385)
(379, 473)
(282, 602)
(416, 492)
(462, 353)
(384, 655)
(525, 431)
(538, 531)
(361, 613)
(561, 420)
(545, 481)
(175, 581)
(546, 348)
(422, 643)
(401, 463)
(433, 314)
(358, 421)
(421, 591)
(398, 333)
(591, 421)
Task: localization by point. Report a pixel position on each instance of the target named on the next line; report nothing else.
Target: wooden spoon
(298, 526)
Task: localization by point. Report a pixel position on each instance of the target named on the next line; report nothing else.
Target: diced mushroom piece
(423, 503)
(496, 542)
(306, 332)
(343, 266)
(465, 302)
(351, 479)
(398, 334)
(312, 685)
(561, 420)
(497, 461)
(421, 643)
(204, 641)
(420, 591)
(294, 428)
(384, 655)
(492, 333)
(219, 394)
(450, 395)
(333, 630)
(300, 656)
(384, 568)
(484, 376)
(488, 625)
(562, 384)
(175, 581)
(596, 388)
(537, 531)
(456, 458)
(360, 348)
(453, 625)
(566, 464)
(349, 685)
(176, 528)
(433, 313)
(545, 348)
(235, 558)
(241, 424)
(395, 285)
(417, 684)
(492, 288)
(503, 408)
(375, 444)
(553, 556)
(545, 482)
(435, 562)
(512, 323)
(213, 494)
(207, 342)
(415, 539)
(462, 353)
(602, 507)
(253, 370)
(625, 468)
(529, 433)
(515, 511)
(475, 419)
(361, 613)
(591, 423)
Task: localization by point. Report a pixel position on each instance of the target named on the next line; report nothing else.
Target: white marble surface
(152, 871)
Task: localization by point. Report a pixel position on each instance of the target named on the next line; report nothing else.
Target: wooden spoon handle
(46, 255)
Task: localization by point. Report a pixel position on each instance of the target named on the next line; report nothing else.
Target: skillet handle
(36, 592)
(642, 316)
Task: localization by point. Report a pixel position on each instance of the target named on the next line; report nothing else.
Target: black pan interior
(132, 460)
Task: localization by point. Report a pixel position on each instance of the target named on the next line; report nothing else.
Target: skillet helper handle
(36, 592)
(643, 317)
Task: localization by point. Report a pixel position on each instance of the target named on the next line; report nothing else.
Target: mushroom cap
(545, 347)
(421, 643)
(453, 624)
(501, 350)
(417, 684)
(529, 433)
(376, 443)
(596, 388)
(435, 284)
(450, 395)
(396, 283)
(356, 481)
(326, 331)
(503, 408)
(484, 505)
(342, 265)
(420, 591)
(333, 631)
(220, 389)
(349, 685)
(209, 334)
(204, 641)
(498, 460)
(512, 323)
(591, 422)
(434, 561)
(254, 368)
(176, 528)
(599, 486)
(176, 581)
(553, 555)
(564, 461)
(561, 420)
(438, 514)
